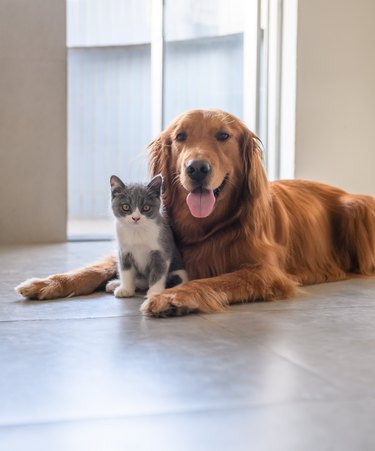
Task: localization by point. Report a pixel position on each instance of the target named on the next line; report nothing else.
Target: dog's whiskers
(176, 179)
(229, 181)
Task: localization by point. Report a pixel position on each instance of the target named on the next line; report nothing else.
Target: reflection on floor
(92, 373)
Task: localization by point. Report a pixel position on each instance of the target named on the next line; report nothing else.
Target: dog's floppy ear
(159, 150)
(255, 175)
(160, 162)
(155, 152)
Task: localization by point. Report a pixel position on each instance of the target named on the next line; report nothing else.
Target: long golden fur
(261, 240)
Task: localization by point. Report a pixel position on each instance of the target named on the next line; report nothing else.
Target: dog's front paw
(40, 289)
(165, 304)
(112, 285)
(123, 292)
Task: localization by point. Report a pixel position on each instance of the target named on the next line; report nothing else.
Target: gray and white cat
(148, 256)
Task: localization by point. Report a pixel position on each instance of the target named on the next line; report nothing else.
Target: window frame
(271, 29)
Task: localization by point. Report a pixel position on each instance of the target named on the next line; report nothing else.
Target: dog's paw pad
(33, 288)
(163, 305)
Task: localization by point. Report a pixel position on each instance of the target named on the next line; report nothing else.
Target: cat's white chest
(139, 240)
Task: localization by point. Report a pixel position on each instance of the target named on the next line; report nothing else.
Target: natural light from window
(135, 64)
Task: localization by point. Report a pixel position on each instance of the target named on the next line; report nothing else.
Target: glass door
(133, 65)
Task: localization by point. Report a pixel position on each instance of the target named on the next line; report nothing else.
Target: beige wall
(335, 110)
(32, 121)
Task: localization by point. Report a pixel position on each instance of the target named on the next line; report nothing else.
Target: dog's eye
(222, 136)
(181, 137)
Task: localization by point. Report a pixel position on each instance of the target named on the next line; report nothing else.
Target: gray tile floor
(91, 373)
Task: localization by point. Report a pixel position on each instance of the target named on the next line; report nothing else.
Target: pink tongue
(201, 202)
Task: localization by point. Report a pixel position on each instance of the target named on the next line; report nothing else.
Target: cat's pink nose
(136, 219)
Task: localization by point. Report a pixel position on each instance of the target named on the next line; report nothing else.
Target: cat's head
(136, 203)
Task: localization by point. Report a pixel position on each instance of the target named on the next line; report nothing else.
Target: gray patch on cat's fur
(173, 280)
(176, 263)
(126, 260)
(158, 267)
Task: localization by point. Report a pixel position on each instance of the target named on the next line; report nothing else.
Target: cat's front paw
(123, 292)
(112, 285)
(155, 290)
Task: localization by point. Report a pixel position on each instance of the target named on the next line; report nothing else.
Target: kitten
(148, 256)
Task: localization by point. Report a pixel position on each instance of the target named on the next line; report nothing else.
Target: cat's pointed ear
(156, 184)
(117, 186)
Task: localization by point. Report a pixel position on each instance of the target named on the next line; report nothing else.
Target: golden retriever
(242, 238)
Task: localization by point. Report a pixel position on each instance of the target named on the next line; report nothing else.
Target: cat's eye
(181, 137)
(146, 208)
(126, 207)
(222, 136)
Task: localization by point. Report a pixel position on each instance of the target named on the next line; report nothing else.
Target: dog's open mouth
(201, 201)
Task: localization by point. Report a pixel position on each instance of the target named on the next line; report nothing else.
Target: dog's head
(210, 160)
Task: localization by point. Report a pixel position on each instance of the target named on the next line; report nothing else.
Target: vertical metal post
(157, 66)
(274, 87)
(288, 89)
(251, 42)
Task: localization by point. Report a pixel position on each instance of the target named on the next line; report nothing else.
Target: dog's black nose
(198, 170)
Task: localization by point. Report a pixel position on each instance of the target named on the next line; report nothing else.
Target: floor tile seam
(297, 309)
(280, 309)
(239, 334)
(232, 308)
(224, 408)
(308, 370)
(130, 416)
(131, 315)
(207, 317)
(279, 355)
(24, 320)
(180, 412)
